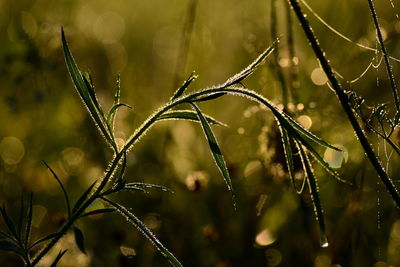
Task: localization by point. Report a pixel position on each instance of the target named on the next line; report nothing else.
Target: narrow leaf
(288, 155)
(112, 112)
(117, 98)
(184, 86)
(79, 238)
(62, 188)
(291, 123)
(237, 78)
(58, 258)
(83, 197)
(21, 217)
(9, 222)
(90, 87)
(85, 91)
(187, 115)
(216, 152)
(295, 135)
(99, 211)
(145, 231)
(312, 183)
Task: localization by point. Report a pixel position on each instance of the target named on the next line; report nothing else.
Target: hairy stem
(75, 215)
(385, 56)
(343, 99)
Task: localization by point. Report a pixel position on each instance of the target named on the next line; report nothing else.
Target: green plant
(17, 236)
(346, 101)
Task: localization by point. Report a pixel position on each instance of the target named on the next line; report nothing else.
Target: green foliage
(272, 156)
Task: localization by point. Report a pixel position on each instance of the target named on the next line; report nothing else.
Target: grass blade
(62, 188)
(215, 150)
(58, 258)
(187, 115)
(312, 183)
(184, 86)
(145, 231)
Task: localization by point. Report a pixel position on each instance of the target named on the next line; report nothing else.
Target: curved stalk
(141, 130)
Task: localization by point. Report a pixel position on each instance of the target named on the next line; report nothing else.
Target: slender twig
(343, 99)
(385, 56)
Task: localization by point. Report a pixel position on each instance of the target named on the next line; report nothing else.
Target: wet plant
(346, 101)
(16, 237)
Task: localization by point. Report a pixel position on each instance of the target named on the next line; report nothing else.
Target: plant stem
(186, 38)
(385, 56)
(278, 68)
(75, 215)
(293, 72)
(343, 99)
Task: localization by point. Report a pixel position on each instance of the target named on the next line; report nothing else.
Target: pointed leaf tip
(215, 150)
(79, 239)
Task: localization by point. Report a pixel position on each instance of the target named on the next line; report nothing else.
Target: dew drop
(324, 245)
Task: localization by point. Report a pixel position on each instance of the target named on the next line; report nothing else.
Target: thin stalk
(75, 215)
(232, 90)
(385, 57)
(186, 38)
(278, 68)
(343, 99)
(293, 72)
(141, 130)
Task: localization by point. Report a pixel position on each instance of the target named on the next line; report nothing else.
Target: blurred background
(154, 46)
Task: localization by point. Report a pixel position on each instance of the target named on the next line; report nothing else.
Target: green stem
(293, 72)
(278, 68)
(385, 56)
(345, 103)
(75, 215)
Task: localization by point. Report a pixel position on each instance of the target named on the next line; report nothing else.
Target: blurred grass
(43, 119)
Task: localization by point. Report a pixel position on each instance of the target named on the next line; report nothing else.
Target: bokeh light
(12, 150)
